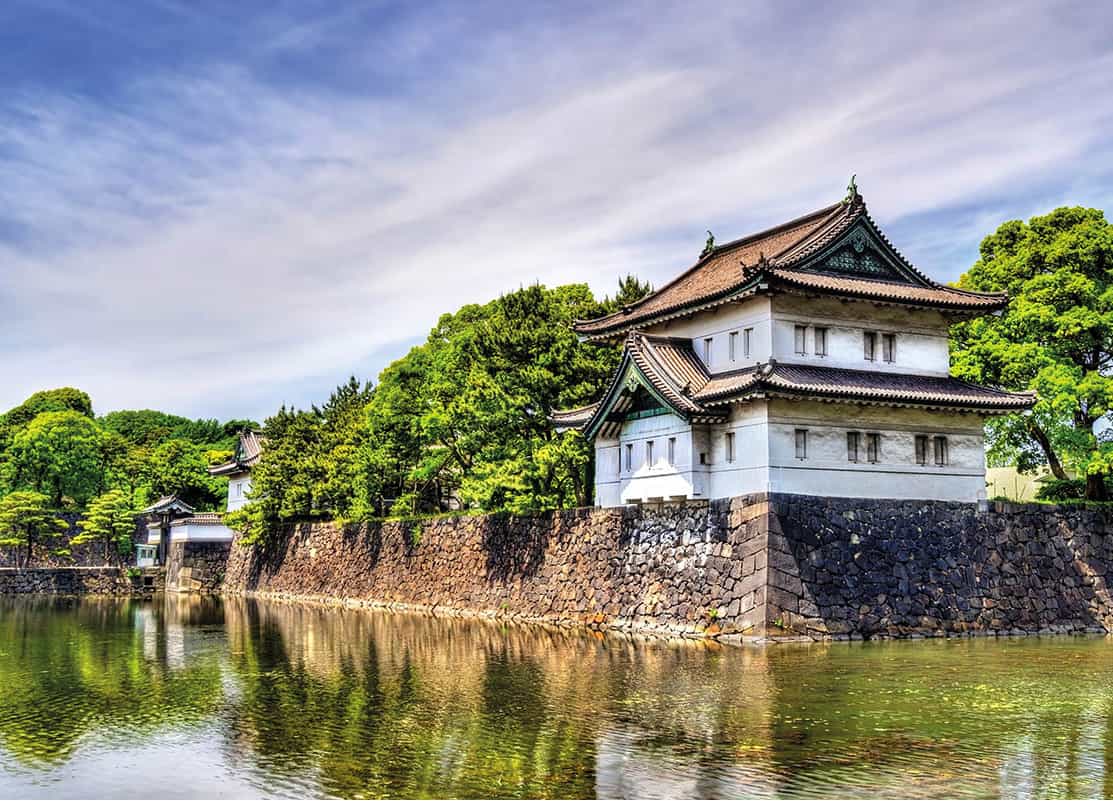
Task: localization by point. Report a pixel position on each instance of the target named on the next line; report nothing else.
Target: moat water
(198, 698)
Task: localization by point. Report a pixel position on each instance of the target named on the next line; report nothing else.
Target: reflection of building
(809, 358)
(238, 471)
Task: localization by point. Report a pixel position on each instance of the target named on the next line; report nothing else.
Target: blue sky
(215, 208)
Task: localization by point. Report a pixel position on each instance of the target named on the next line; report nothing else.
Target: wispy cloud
(214, 234)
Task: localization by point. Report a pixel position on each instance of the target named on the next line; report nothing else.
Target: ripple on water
(198, 698)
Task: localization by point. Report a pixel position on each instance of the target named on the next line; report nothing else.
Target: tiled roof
(677, 375)
(777, 253)
(248, 451)
(887, 290)
(862, 385)
(167, 503)
(201, 519)
(573, 418)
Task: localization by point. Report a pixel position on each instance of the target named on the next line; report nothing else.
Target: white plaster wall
(749, 472)
(718, 324)
(921, 336)
(608, 482)
(239, 487)
(827, 471)
(200, 533)
(645, 480)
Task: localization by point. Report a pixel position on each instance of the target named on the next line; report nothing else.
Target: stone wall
(757, 566)
(679, 570)
(854, 568)
(196, 567)
(80, 581)
(61, 552)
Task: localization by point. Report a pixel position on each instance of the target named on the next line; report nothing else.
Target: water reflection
(273, 699)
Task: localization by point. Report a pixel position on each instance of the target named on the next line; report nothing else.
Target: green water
(181, 698)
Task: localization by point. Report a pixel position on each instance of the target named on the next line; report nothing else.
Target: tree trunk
(1095, 487)
(1052, 459)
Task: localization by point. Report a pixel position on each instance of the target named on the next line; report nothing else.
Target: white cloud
(214, 239)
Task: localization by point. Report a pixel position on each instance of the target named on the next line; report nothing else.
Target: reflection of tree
(389, 705)
(69, 670)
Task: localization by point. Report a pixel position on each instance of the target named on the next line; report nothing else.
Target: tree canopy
(1055, 337)
(25, 520)
(110, 521)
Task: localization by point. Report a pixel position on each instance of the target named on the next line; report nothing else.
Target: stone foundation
(81, 581)
(757, 566)
(196, 567)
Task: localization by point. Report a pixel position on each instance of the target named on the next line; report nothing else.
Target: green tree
(109, 520)
(59, 454)
(1055, 338)
(179, 467)
(25, 520)
(630, 290)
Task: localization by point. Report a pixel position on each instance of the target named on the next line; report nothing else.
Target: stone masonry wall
(80, 581)
(784, 566)
(690, 570)
(855, 568)
(196, 567)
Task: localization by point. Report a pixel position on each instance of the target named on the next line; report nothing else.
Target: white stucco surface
(765, 457)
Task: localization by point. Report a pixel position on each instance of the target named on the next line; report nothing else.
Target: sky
(213, 209)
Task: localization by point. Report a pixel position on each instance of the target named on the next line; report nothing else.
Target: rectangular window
(853, 439)
(747, 339)
(889, 347)
(707, 351)
(672, 450)
(873, 448)
(801, 443)
(869, 345)
(801, 340)
(941, 456)
(629, 456)
(730, 446)
(239, 489)
(649, 453)
(733, 342)
(921, 449)
(821, 342)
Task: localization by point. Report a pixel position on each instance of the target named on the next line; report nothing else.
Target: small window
(801, 443)
(869, 345)
(649, 453)
(672, 450)
(921, 449)
(821, 342)
(873, 448)
(730, 446)
(941, 451)
(702, 457)
(801, 340)
(889, 347)
(747, 341)
(707, 351)
(732, 340)
(629, 456)
(853, 440)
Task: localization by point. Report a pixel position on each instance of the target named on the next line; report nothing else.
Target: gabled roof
(670, 370)
(168, 504)
(667, 369)
(249, 449)
(835, 250)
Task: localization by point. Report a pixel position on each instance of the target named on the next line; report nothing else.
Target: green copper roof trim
(632, 378)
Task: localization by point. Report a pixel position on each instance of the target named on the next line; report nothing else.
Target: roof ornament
(709, 245)
(852, 190)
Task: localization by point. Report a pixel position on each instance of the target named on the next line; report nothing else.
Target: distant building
(809, 358)
(238, 471)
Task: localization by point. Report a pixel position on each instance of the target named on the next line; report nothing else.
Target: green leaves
(1055, 337)
(110, 520)
(26, 519)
